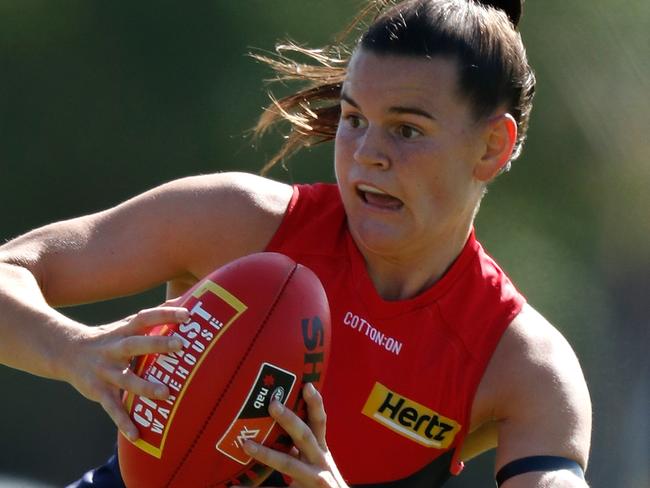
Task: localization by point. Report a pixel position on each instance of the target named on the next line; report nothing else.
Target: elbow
(20, 269)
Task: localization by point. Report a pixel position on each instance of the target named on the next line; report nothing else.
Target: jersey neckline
(387, 308)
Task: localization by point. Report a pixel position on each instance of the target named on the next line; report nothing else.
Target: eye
(408, 132)
(354, 121)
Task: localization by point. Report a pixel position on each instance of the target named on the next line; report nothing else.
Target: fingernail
(175, 343)
(276, 408)
(161, 391)
(310, 389)
(182, 315)
(250, 447)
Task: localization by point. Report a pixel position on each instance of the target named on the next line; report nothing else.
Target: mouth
(377, 198)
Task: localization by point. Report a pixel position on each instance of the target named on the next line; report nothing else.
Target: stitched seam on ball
(227, 387)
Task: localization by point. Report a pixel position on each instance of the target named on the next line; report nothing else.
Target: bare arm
(543, 403)
(186, 227)
(183, 229)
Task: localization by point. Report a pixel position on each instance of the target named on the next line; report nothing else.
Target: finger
(127, 380)
(279, 461)
(141, 345)
(317, 418)
(113, 406)
(174, 302)
(155, 316)
(302, 436)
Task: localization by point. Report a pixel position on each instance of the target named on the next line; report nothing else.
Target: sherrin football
(259, 329)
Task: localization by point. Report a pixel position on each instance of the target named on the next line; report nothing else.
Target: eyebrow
(396, 110)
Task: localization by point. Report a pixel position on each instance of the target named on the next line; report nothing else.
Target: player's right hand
(99, 360)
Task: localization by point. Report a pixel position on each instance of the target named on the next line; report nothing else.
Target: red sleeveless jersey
(402, 374)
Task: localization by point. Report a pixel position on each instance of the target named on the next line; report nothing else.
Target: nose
(371, 150)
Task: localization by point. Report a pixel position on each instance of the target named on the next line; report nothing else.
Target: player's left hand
(310, 464)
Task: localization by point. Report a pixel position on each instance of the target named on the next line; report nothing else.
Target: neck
(407, 275)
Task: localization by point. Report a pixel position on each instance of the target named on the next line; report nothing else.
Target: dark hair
(481, 36)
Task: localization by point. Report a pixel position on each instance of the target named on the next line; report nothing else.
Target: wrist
(62, 347)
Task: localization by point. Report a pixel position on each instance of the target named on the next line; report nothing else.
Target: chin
(378, 239)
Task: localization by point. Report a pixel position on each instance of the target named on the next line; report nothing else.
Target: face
(405, 150)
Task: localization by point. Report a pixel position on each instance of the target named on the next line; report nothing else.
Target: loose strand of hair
(309, 110)
(312, 112)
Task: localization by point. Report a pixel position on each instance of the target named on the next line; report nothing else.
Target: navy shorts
(106, 476)
(109, 476)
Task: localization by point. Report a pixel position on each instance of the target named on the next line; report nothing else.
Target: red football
(259, 329)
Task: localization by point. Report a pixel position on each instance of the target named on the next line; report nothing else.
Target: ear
(500, 136)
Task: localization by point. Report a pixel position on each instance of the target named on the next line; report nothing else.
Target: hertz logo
(409, 418)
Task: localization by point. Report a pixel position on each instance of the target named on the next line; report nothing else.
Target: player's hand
(311, 463)
(98, 363)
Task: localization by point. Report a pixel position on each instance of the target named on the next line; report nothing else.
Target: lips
(378, 198)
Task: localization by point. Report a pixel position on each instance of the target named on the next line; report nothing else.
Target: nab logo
(410, 419)
(253, 420)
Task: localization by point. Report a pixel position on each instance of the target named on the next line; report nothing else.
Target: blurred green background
(102, 100)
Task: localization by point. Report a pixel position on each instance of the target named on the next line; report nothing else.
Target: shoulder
(231, 214)
(248, 191)
(540, 400)
(533, 349)
(198, 223)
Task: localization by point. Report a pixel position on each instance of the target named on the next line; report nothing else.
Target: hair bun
(512, 8)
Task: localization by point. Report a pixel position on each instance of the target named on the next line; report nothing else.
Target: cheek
(433, 179)
(424, 167)
(343, 151)
(432, 193)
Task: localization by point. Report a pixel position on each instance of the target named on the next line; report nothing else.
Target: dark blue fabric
(537, 463)
(431, 476)
(106, 476)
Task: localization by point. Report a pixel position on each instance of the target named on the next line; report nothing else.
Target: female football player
(436, 356)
